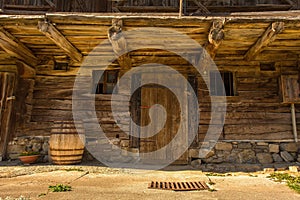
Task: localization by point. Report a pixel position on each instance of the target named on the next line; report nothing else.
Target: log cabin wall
(255, 118)
(257, 125)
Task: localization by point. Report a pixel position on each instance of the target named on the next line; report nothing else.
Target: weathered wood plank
(7, 81)
(15, 48)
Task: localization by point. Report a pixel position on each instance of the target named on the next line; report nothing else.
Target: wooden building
(257, 55)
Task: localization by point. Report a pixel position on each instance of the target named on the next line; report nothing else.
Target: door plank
(154, 94)
(7, 81)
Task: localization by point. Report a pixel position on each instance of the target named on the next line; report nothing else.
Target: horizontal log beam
(267, 37)
(59, 39)
(15, 48)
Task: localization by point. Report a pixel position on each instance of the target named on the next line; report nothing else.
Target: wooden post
(294, 122)
(180, 8)
(298, 66)
(7, 84)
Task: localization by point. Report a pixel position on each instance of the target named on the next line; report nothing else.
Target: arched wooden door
(7, 84)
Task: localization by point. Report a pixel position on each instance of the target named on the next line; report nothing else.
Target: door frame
(7, 87)
(135, 110)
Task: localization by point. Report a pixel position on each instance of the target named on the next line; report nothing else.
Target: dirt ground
(104, 183)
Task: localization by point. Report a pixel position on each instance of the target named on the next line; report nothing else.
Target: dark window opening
(216, 83)
(104, 82)
(61, 66)
(267, 66)
(193, 81)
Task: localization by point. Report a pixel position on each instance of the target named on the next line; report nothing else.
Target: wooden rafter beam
(15, 48)
(59, 39)
(267, 37)
(215, 37)
(119, 45)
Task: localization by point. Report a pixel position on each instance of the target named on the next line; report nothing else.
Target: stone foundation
(223, 152)
(28, 143)
(247, 153)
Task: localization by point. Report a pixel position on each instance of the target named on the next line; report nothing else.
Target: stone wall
(247, 153)
(29, 144)
(223, 152)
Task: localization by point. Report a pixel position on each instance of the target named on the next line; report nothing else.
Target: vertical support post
(298, 66)
(180, 8)
(184, 7)
(294, 122)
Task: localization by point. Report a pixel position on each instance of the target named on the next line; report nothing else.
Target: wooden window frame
(228, 82)
(290, 90)
(103, 84)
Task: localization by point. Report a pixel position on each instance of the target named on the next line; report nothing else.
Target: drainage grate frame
(178, 186)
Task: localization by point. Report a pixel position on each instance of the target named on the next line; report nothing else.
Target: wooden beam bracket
(119, 45)
(50, 31)
(215, 37)
(267, 37)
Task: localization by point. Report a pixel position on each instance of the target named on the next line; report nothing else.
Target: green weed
(293, 182)
(60, 188)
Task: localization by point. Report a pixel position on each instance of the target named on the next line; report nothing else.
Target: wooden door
(7, 83)
(156, 94)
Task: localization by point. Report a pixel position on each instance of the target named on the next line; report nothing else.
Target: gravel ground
(96, 182)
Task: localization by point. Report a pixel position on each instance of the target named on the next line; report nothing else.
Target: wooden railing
(204, 6)
(190, 6)
(30, 5)
(55, 5)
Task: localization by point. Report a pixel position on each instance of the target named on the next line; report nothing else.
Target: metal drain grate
(178, 186)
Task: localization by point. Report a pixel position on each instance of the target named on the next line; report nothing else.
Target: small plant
(214, 174)
(74, 169)
(42, 194)
(60, 188)
(29, 153)
(253, 175)
(293, 182)
(212, 183)
(212, 190)
(279, 177)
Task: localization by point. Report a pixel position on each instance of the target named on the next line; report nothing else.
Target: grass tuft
(60, 188)
(293, 182)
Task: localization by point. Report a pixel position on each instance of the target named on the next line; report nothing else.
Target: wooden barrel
(66, 143)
